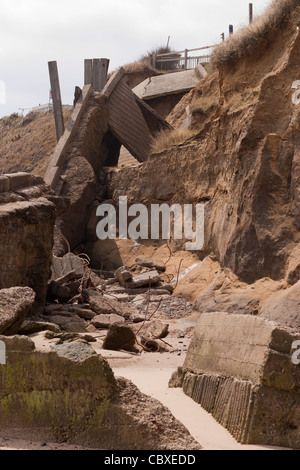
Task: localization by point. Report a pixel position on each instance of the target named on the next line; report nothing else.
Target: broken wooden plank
(56, 99)
(126, 120)
(113, 82)
(100, 68)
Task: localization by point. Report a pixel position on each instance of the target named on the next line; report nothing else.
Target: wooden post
(223, 37)
(56, 99)
(88, 71)
(154, 60)
(250, 13)
(100, 69)
(185, 59)
(230, 29)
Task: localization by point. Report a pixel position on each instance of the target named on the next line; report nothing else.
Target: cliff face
(244, 164)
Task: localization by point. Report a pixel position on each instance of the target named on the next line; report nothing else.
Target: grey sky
(33, 32)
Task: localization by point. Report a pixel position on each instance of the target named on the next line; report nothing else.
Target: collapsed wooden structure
(131, 122)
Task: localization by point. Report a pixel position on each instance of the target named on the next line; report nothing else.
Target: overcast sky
(33, 32)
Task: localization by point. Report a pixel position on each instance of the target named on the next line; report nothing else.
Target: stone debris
(15, 304)
(123, 275)
(104, 321)
(148, 278)
(75, 351)
(81, 302)
(155, 263)
(120, 337)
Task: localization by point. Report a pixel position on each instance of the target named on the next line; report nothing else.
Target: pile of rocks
(120, 306)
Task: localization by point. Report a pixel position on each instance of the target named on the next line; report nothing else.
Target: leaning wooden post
(154, 60)
(56, 99)
(88, 71)
(185, 59)
(250, 13)
(100, 69)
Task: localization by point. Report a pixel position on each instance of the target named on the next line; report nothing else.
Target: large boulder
(27, 216)
(119, 336)
(240, 368)
(15, 303)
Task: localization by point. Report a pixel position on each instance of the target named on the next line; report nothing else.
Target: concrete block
(4, 184)
(19, 180)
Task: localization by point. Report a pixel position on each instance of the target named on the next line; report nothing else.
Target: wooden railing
(181, 60)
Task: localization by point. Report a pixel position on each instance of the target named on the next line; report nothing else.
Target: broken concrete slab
(104, 321)
(118, 297)
(26, 259)
(155, 263)
(30, 327)
(240, 369)
(148, 278)
(101, 305)
(66, 264)
(19, 180)
(123, 275)
(69, 322)
(170, 83)
(15, 303)
(156, 329)
(4, 184)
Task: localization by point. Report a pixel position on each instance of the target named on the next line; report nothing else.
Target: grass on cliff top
(166, 139)
(26, 143)
(280, 14)
(204, 104)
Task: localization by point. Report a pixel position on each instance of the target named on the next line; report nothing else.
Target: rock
(136, 318)
(123, 275)
(15, 303)
(104, 321)
(119, 337)
(140, 299)
(284, 308)
(156, 263)
(51, 308)
(69, 322)
(156, 329)
(31, 327)
(148, 278)
(66, 264)
(150, 344)
(118, 297)
(85, 313)
(159, 298)
(166, 287)
(26, 234)
(56, 291)
(18, 343)
(75, 351)
(100, 305)
(177, 378)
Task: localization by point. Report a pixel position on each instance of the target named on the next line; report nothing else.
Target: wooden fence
(181, 60)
